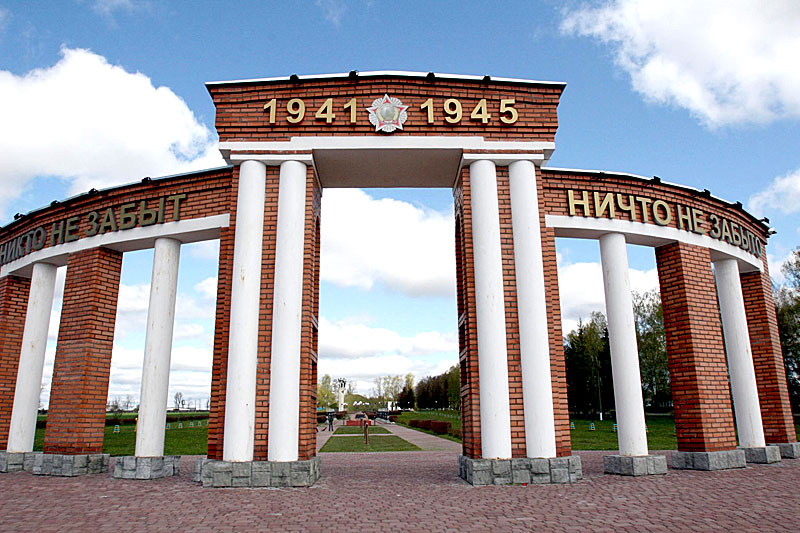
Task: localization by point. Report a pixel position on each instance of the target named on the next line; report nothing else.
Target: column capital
(502, 159)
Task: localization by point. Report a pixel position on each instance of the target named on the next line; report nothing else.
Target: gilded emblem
(387, 114)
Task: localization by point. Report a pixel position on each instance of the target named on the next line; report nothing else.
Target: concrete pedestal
(51, 464)
(635, 465)
(17, 462)
(721, 460)
(227, 474)
(762, 455)
(789, 450)
(132, 467)
(479, 472)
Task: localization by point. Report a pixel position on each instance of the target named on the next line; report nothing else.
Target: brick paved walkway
(410, 491)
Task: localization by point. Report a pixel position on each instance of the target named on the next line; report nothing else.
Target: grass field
(379, 443)
(194, 441)
(355, 430)
(186, 441)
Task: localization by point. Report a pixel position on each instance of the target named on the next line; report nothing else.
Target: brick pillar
(517, 408)
(13, 306)
(467, 328)
(76, 419)
(696, 356)
(558, 365)
(762, 324)
(307, 443)
(219, 366)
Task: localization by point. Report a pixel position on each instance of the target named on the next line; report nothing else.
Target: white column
(240, 396)
(287, 310)
(31, 358)
(534, 345)
(740, 359)
(624, 350)
(158, 349)
(491, 313)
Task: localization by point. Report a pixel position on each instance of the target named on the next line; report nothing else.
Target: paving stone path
(410, 491)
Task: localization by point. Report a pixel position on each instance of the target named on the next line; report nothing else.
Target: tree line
(590, 385)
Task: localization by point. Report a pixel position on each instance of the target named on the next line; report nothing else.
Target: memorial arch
(489, 140)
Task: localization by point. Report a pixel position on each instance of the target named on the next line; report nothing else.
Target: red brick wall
(76, 419)
(467, 327)
(207, 195)
(219, 367)
(558, 365)
(516, 405)
(241, 115)
(696, 355)
(307, 446)
(13, 307)
(773, 394)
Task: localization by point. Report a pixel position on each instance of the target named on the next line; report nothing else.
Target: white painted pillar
(624, 350)
(740, 359)
(158, 349)
(491, 313)
(287, 311)
(240, 395)
(534, 345)
(31, 358)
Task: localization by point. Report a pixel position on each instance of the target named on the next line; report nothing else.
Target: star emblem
(387, 114)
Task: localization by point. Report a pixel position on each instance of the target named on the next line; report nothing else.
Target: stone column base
(17, 461)
(56, 464)
(220, 474)
(789, 450)
(762, 455)
(132, 467)
(639, 465)
(721, 460)
(523, 471)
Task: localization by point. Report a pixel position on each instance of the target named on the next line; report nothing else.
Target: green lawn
(355, 430)
(660, 435)
(379, 443)
(452, 416)
(185, 441)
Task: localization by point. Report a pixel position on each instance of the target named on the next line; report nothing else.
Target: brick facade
(695, 350)
(241, 115)
(773, 395)
(697, 363)
(13, 307)
(467, 325)
(78, 394)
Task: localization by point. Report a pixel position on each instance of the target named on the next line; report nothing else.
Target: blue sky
(103, 92)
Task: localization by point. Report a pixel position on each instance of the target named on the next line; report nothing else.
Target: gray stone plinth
(789, 450)
(146, 467)
(762, 455)
(223, 474)
(53, 464)
(17, 461)
(641, 465)
(523, 471)
(721, 460)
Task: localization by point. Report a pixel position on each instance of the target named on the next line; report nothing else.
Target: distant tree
(178, 400)
(787, 307)
(652, 342)
(387, 388)
(588, 360)
(406, 399)
(326, 396)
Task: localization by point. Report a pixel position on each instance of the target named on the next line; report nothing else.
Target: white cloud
(347, 340)
(332, 10)
(366, 241)
(207, 250)
(107, 7)
(581, 289)
(782, 195)
(207, 289)
(94, 125)
(726, 61)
